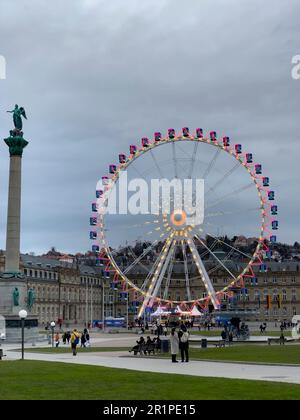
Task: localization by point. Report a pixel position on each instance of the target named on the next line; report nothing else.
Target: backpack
(184, 337)
(76, 341)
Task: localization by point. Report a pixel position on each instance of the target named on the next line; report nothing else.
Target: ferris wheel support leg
(186, 272)
(158, 276)
(170, 269)
(203, 273)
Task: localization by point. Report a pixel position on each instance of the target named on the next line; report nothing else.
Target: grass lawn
(217, 333)
(68, 349)
(44, 380)
(289, 354)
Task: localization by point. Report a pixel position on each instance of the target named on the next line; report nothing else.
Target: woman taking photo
(174, 340)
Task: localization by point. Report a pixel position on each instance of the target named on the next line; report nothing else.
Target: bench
(277, 340)
(220, 343)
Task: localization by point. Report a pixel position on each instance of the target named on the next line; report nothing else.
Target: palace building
(74, 292)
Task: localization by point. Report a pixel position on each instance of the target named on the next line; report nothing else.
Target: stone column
(16, 144)
(12, 260)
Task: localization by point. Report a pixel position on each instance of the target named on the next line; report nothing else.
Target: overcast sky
(95, 76)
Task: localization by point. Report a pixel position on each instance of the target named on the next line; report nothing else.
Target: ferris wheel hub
(178, 218)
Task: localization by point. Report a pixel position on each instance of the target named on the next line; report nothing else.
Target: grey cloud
(95, 76)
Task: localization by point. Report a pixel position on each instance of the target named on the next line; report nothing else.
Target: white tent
(159, 311)
(195, 312)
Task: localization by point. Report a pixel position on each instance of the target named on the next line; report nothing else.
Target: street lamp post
(23, 315)
(127, 314)
(91, 307)
(52, 325)
(103, 307)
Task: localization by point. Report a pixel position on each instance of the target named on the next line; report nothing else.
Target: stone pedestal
(10, 312)
(7, 287)
(14, 329)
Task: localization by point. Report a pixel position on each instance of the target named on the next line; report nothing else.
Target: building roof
(38, 262)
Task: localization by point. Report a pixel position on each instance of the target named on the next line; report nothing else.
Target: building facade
(78, 293)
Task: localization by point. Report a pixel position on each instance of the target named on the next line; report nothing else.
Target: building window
(257, 295)
(284, 295)
(294, 295)
(275, 294)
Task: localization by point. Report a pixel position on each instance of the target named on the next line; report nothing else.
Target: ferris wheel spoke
(140, 174)
(211, 163)
(203, 273)
(228, 213)
(158, 274)
(226, 259)
(230, 246)
(216, 258)
(204, 253)
(146, 252)
(208, 225)
(137, 225)
(224, 198)
(156, 164)
(183, 151)
(186, 271)
(191, 170)
(223, 178)
(174, 160)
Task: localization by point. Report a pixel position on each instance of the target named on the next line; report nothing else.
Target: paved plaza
(121, 359)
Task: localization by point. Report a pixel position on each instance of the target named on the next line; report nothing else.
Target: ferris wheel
(159, 253)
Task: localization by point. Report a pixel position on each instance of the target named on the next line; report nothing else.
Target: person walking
(75, 337)
(165, 330)
(224, 337)
(230, 338)
(184, 344)
(87, 337)
(83, 340)
(56, 339)
(174, 341)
